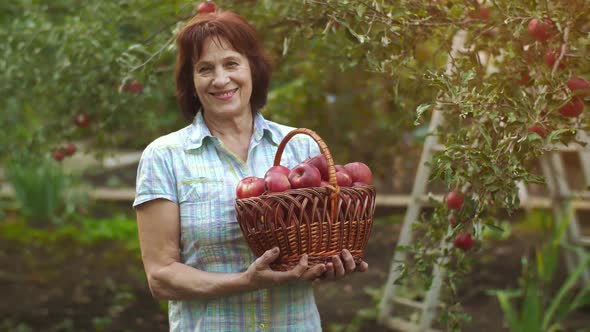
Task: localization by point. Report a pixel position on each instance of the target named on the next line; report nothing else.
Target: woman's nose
(221, 78)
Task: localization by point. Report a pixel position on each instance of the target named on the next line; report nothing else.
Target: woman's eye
(232, 64)
(204, 69)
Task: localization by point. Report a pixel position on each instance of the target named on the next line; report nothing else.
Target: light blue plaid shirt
(192, 168)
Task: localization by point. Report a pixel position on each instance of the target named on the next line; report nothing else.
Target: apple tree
(518, 86)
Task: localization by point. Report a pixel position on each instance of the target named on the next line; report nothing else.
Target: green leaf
(508, 310)
(420, 110)
(567, 286)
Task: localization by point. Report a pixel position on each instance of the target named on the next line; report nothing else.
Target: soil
(61, 287)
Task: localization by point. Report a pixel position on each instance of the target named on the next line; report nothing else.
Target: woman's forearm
(178, 281)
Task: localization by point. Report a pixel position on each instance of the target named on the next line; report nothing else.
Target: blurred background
(87, 85)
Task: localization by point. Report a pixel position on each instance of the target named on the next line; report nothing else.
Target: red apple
(541, 31)
(354, 184)
(135, 87)
(579, 86)
(325, 184)
(280, 169)
(305, 176)
(455, 200)
(359, 172)
(321, 163)
(70, 149)
(340, 168)
(206, 7)
(82, 120)
(572, 109)
(464, 241)
(452, 220)
(276, 182)
(59, 155)
(539, 129)
(483, 13)
(250, 186)
(551, 56)
(343, 179)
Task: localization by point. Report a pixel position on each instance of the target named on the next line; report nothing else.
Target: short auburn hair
(242, 37)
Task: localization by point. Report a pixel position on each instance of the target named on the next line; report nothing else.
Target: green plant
(532, 306)
(42, 189)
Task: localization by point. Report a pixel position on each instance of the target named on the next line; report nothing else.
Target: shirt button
(261, 325)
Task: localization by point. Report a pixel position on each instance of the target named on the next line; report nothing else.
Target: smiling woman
(228, 32)
(222, 80)
(193, 250)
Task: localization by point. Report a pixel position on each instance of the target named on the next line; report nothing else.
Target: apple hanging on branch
(455, 200)
(206, 7)
(464, 241)
(82, 120)
(541, 30)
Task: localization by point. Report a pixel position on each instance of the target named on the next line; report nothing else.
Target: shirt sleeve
(155, 176)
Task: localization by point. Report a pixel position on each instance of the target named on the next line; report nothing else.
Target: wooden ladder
(560, 196)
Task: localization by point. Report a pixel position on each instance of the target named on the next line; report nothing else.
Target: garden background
(87, 85)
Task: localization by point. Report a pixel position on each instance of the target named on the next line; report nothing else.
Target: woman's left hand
(342, 266)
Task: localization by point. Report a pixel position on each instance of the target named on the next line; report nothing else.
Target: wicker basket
(319, 221)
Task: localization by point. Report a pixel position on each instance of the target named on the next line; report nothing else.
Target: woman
(193, 251)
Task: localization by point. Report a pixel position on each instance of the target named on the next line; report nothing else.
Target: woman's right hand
(260, 275)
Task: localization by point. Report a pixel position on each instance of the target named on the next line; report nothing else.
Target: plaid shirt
(191, 167)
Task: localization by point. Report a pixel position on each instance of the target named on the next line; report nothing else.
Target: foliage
(84, 232)
(532, 306)
(44, 191)
(61, 59)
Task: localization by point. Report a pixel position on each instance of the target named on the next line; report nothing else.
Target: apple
(572, 109)
(206, 7)
(551, 56)
(541, 31)
(539, 129)
(82, 120)
(354, 184)
(135, 87)
(359, 172)
(577, 83)
(59, 155)
(455, 200)
(250, 186)
(452, 220)
(343, 179)
(70, 149)
(483, 13)
(276, 182)
(321, 163)
(305, 176)
(464, 241)
(280, 169)
(340, 168)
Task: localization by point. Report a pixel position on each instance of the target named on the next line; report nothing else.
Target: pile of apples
(312, 172)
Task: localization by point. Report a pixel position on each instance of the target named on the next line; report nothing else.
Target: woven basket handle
(325, 151)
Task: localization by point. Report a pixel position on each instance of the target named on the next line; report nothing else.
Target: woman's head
(220, 27)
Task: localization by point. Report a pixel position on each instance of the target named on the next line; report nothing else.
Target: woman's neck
(231, 126)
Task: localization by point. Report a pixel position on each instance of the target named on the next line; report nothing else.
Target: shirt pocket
(200, 199)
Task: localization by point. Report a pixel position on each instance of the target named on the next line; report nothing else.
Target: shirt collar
(198, 131)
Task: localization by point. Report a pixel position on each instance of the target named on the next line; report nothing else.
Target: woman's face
(222, 79)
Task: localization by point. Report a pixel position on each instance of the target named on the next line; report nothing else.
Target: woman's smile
(224, 95)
